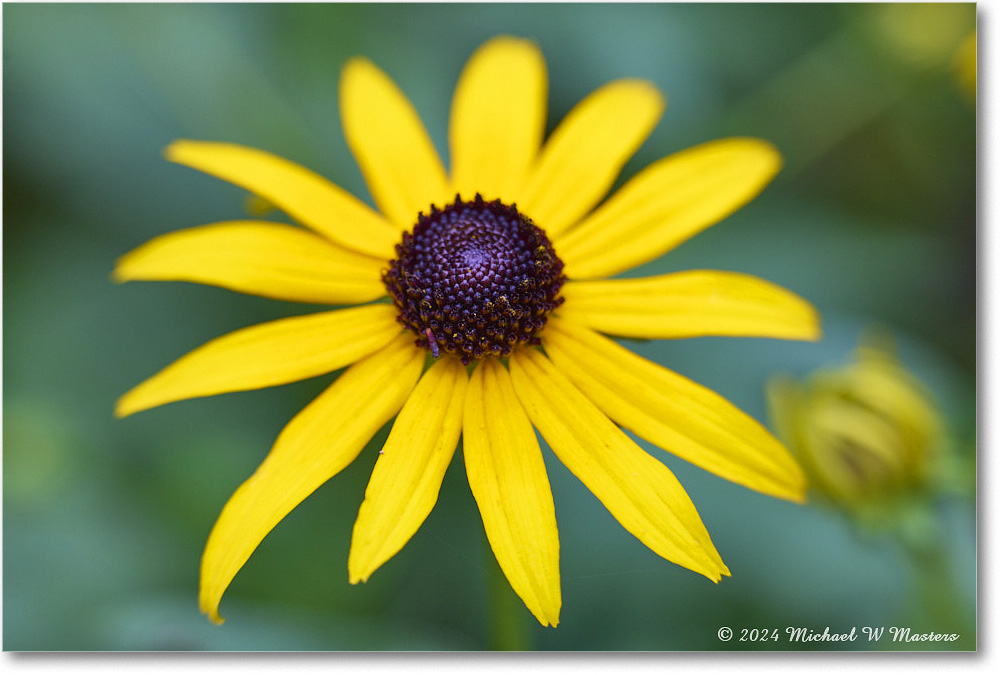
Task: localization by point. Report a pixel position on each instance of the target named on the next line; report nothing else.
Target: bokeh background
(873, 219)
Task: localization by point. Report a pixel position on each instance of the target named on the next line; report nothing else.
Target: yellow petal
(497, 118)
(689, 304)
(581, 160)
(508, 479)
(267, 259)
(320, 441)
(667, 203)
(389, 142)
(640, 492)
(268, 354)
(407, 477)
(305, 196)
(673, 412)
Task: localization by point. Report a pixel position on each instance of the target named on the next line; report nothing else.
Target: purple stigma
(433, 342)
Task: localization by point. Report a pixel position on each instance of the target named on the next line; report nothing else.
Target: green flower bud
(865, 433)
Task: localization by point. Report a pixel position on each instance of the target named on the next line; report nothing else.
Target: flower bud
(865, 433)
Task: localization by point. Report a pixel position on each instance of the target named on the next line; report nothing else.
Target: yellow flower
(866, 433)
(964, 63)
(923, 35)
(538, 275)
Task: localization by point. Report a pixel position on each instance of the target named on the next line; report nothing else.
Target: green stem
(508, 631)
(939, 596)
(833, 76)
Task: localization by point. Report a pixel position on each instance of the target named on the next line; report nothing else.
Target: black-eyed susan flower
(497, 275)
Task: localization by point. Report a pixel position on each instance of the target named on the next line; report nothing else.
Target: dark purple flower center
(474, 279)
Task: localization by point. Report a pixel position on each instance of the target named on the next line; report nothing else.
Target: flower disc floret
(474, 279)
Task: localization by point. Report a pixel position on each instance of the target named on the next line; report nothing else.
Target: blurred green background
(872, 219)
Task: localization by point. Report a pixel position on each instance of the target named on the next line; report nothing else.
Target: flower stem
(508, 631)
(937, 590)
